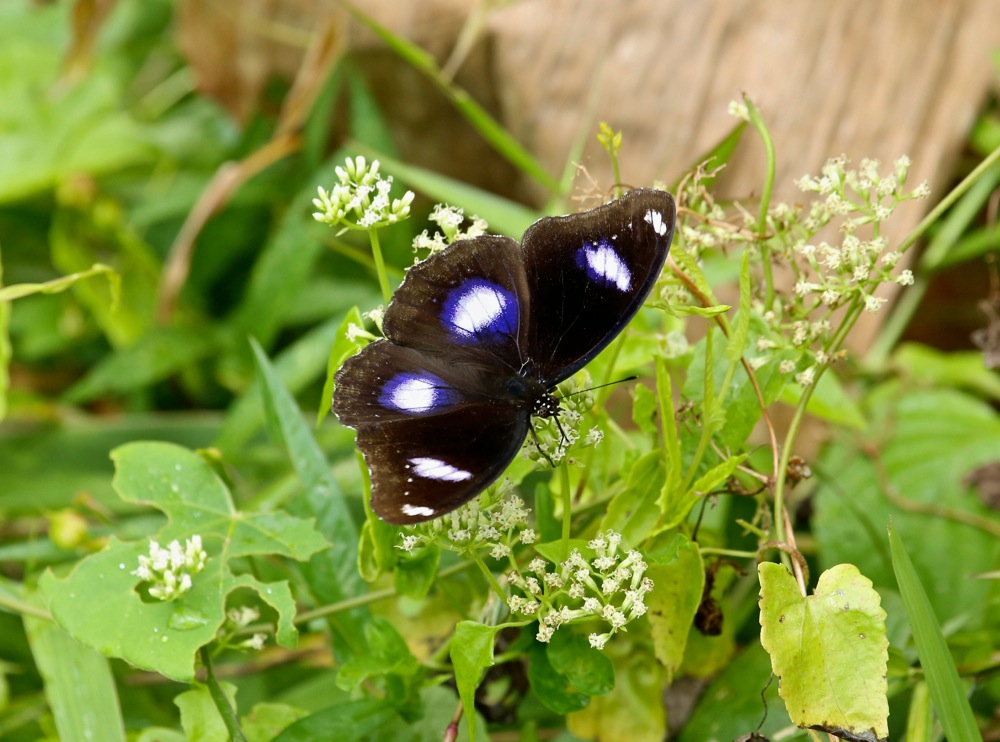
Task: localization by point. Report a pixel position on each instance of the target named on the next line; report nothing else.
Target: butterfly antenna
(599, 386)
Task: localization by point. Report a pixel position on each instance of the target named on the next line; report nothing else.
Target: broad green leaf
(948, 693)
(471, 654)
(930, 367)
(678, 576)
(633, 709)
(348, 721)
(414, 575)
(929, 441)
(738, 699)
(829, 650)
(386, 654)
(267, 720)
(588, 670)
(99, 602)
(79, 686)
(200, 718)
(550, 686)
(634, 511)
(668, 419)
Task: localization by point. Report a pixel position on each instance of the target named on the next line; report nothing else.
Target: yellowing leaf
(829, 650)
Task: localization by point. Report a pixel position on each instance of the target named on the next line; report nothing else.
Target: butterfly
(476, 338)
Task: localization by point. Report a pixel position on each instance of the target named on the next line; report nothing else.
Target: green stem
(757, 121)
(14, 605)
(489, 577)
(567, 507)
(219, 699)
(383, 279)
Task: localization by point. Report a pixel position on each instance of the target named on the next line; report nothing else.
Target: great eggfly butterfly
(476, 338)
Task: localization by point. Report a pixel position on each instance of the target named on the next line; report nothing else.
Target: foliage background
(106, 154)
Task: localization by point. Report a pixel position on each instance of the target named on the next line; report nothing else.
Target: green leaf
(387, 654)
(634, 511)
(99, 602)
(79, 686)
(414, 575)
(644, 409)
(633, 709)
(200, 717)
(550, 686)
(343, 348)
(829, 650)
(930, 367)
(678, 575)
(349, 721)
(588, 670)
(738, 700)
(948, 693)
(267, 720)
(687, 311)
(471, 654)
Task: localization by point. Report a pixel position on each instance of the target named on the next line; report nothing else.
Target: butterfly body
(476, 339)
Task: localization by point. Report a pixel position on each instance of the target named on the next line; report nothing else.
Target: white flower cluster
(607, 588)
(498, 526)
(168, 571)
(361, 199)
(449, 219)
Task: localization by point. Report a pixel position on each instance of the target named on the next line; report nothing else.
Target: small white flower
(597, 641)
(905, 278)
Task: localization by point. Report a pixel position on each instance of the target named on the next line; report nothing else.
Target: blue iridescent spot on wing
(417, 393)
(604, 265)
(480, 310)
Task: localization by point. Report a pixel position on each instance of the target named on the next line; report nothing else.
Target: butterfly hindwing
(589, 273)
(425, 466)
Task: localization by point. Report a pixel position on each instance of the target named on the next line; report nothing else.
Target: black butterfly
(477, 337)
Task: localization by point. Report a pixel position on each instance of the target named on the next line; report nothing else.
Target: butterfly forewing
(467, 303)
(589, 273)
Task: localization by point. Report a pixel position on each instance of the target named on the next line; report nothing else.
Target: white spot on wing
(478, 308)
(429, 468)
(417, 510)
(655, 218)
(605, 264)
(413, 395)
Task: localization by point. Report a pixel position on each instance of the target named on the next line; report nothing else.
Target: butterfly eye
(478, 307)
(604, 265)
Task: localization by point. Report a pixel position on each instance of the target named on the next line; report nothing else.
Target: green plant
(288, 611)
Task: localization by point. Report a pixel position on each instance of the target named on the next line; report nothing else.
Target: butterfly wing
(589, 273)
(467, 303)
(434, 433)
